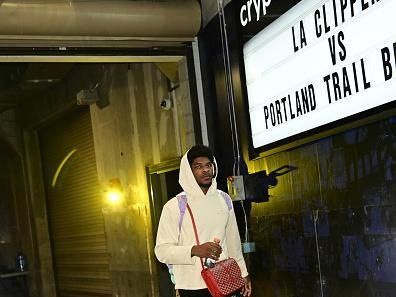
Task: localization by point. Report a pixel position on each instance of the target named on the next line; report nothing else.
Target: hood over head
(188, 182)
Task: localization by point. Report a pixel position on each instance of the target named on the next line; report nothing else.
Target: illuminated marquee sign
(320, 62)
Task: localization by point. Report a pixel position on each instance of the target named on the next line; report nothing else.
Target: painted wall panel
(344, 221)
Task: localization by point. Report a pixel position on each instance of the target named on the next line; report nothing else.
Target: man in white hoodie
(215, 221)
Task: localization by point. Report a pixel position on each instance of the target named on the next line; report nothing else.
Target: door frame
(156, 208)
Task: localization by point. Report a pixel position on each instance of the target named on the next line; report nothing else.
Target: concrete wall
(41, 265)
(8, 238)
(16, 225)
(131, 133)
(10, 130)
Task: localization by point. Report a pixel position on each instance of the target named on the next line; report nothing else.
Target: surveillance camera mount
(166, 104)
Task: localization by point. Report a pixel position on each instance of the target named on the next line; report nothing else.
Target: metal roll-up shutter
(74, 207)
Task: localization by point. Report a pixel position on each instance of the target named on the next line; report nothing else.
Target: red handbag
(225, 277)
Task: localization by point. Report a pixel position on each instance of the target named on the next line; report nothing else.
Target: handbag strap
(195, 230)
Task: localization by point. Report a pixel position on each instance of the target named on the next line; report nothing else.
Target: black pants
(194, 293)
(199, 293)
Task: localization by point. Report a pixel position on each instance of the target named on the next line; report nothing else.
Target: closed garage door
(74, 207)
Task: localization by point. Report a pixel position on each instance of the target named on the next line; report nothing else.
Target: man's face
(202, 169)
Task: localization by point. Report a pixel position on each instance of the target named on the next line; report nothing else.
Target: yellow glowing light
(114, 196)
(60, 167)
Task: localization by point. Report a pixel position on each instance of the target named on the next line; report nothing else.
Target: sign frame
(349, 122)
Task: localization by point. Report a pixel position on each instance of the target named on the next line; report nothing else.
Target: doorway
(164, 185)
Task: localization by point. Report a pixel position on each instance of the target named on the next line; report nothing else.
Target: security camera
(86, 97)
(166, 104)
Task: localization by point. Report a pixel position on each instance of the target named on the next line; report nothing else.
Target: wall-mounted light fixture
(114, 192)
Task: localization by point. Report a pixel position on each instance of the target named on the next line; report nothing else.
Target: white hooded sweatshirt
(213, 219)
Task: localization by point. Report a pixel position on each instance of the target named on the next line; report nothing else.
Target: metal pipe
(111, 19)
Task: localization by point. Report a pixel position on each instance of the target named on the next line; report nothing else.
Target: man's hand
(247, 289)
(210, 250)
